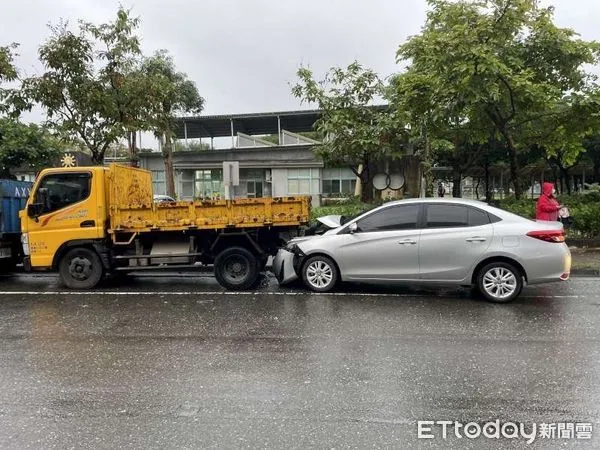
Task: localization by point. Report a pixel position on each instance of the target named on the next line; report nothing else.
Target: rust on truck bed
(132, 208)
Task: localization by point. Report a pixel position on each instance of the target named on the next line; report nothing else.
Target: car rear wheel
(320, 274)
(500, 282)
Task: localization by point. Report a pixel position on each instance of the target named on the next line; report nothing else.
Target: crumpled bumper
(283, 267)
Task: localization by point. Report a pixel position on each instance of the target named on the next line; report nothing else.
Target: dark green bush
(345, 209)
(584, 209)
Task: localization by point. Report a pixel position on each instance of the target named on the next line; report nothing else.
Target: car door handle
(87, 224)
(407, 241)
(476, 239)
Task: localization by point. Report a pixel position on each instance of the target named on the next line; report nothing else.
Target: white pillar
(279, 130)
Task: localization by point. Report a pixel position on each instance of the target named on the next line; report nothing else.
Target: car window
(392, 218)
(477, 217)
(446, 216)
(63, 189)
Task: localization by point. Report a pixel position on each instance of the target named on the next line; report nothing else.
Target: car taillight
(548, 235)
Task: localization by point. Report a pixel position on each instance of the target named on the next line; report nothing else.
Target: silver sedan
(430, 241)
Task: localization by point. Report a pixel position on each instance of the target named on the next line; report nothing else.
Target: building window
(338, 181)
(303, 181)
(208, 184)
(158, 182)
(187, 184)
(253, 180)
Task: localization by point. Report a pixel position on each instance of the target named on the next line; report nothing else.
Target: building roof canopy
(251, 124)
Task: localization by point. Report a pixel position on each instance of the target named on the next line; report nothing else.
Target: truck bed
(132, 208)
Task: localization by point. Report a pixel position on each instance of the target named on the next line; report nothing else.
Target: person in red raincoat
(547, 207)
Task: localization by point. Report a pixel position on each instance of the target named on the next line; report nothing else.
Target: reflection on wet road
(177, 362)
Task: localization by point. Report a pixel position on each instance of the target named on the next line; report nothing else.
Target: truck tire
(80, 268)
(236, 268)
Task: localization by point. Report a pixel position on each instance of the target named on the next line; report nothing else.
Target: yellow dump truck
(87, 222)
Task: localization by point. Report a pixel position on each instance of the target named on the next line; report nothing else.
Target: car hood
(333, 221)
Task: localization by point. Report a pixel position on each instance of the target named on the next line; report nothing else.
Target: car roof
(450, 201)
(505, 215)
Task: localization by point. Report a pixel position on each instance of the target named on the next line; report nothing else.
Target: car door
(453, 239)
(385, 246)
(68, 212)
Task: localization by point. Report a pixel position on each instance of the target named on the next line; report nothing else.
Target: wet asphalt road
(177, 363)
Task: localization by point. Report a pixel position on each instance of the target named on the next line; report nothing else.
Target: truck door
(66, 206)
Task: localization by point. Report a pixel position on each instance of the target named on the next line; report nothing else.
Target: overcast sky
(243, 54)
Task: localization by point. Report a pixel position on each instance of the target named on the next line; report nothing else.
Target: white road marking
(249, 293)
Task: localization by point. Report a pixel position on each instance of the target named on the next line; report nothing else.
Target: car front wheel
(500, 282)
(320, 274)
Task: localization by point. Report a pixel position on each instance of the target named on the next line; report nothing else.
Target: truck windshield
(63, 189)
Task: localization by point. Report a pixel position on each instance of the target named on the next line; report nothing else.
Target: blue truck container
(13, 197)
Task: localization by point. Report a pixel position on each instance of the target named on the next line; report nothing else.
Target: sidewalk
(585, 262)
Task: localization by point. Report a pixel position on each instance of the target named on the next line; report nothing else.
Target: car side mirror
(353, 228)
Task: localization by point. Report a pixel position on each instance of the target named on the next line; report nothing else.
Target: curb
(585, 273)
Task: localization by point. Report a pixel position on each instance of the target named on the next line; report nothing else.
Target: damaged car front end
(288, 260)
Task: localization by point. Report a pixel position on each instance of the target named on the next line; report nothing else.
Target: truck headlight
(25, 243)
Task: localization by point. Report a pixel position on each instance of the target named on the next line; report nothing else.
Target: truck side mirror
(34, 210)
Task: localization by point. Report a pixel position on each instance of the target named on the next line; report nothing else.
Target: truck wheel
(7, 265)
(80, 268)
(236, 268)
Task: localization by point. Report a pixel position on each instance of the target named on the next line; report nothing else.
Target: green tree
(172, 93)
(8, 73)
(502, 61)
(357, 134)
(89, 89)
(24, 145)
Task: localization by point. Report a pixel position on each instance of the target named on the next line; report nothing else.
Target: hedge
(584, 209)
(351, 208)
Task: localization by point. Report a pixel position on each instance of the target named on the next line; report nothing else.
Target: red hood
(547, 189)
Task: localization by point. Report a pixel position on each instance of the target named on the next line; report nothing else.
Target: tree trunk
(366, 186)
(456, 185)
(514, 164)
(169, 172)
(412, 176)
(97, 157)
(488, 192)
(426, 167)
(132, 148)
(564, 175)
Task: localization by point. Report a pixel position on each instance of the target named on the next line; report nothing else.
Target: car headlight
(293, 248)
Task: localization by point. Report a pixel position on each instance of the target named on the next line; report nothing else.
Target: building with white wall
(286, 167)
